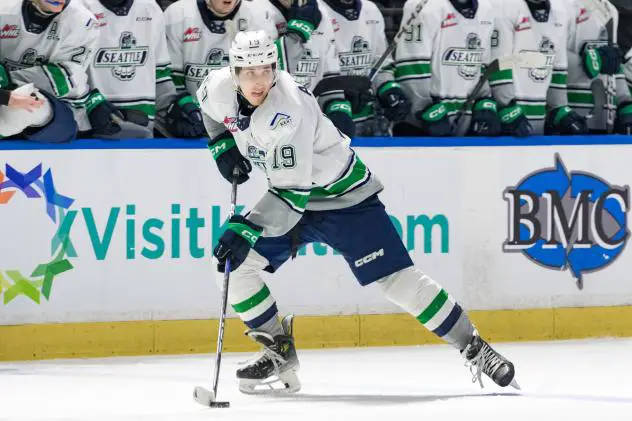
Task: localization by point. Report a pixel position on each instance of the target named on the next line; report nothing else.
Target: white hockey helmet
(251, 49)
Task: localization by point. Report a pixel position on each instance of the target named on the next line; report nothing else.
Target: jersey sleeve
(66, 74)
(502, 45)
(413, 57)
(387, 73)
(212, 122)
(174, 34)
(165, 88)
(557, 96)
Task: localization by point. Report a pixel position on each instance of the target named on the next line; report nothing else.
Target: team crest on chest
(124, 59)
(358, 60)
(216, 59)
(306, 68)
(30, 58)
(547, 48)
(468, 60)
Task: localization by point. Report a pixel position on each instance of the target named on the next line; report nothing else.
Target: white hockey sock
(430, 304)
(250, 297)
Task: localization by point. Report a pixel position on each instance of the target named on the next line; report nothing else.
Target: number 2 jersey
(307, 160)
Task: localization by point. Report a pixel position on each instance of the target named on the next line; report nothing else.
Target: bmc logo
(369, 258)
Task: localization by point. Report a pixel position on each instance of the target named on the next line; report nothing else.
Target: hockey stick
(524, 59)
(202, 395)
(610, 17)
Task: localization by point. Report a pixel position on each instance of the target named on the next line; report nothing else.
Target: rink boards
(105, 245)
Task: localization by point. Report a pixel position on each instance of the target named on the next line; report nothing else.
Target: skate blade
(283, 384)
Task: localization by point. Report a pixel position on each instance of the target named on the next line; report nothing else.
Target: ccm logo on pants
(369, 258)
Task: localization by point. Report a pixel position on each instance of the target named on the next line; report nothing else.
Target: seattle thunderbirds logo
(30, 58)
(357, 61)
(468, 59)
(548, 49)
(567, 221)
(216, 59)
(124, 59)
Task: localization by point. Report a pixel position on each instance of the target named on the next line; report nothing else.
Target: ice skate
(274, 369)
(482, 358)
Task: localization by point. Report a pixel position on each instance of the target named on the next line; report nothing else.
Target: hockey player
(318, 61)
(438, 62)
(535, 25)
(130, 68)
(49, 43)
(27, 113)
(199, 33)
(590, 61)
(319, 191)
(360, 41)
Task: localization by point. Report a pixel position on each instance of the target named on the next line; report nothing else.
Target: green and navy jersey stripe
(59, 77)
(295, 199)
(412, 69)
(355, 176)
(559, 79)
(533, 109)
(163, 73)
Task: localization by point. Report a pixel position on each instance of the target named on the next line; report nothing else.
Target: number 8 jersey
(307, 160)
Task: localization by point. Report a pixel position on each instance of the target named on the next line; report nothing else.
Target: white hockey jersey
(440, 57)
(131, 65)
(195, 49)
(308, 162)
(586, 31)
(319, 58)
(360, 43)
(536, 90)
(54, 58)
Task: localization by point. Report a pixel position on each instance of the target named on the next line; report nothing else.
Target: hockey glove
(339, 112)
(435, 121)
(103, 115)
(605, 60)
(623, 123)
(564, 121)
(235, 243)
(485, 120)
(227, 157)
(393, 101)
(302, 20)
(514, 121)
(5, 78)
(183, 117)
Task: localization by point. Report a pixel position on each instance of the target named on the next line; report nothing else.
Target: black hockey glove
(302, 20)
(393, 101)
(184, 118)
(339, 112)
(435, 121)
(227, 157)
(623, 123)
(103, 115)
(514, 121)
(5, 78)
(485, 119)
(605, 60)
(235, 243)
(564, 121)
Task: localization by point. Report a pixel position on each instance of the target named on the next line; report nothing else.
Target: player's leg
(277, 363)
(366, 237)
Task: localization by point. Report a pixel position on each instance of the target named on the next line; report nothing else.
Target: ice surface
(574, 380)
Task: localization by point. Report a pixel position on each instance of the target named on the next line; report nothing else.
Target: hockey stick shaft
(222, 318)
(393, 45)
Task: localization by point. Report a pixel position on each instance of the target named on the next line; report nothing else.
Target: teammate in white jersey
(536, 25)
(49, 43)
(438, 62)
(318, 61)
(590, 61)
(319, 191)
(200, 32)
(130, 68)
(360, 41)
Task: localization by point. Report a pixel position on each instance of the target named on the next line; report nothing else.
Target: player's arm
(302, 20)
(174, 38)
(393, 101)
(560, 118)
(177, 113)
(513, 118)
